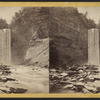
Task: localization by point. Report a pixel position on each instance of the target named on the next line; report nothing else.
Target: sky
(8, 12)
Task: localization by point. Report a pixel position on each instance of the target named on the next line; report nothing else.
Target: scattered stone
(5, 89)
(79, 84)
(90, 79)
(94, 68)
(97, 77)
(95, 71)
(56, 78)
(13, 90)
(10, 79)
(17, 90)
(65, 82)
(3, 79)
(63, 74)
(98, 88)
(74, 88)
(68, 86)
(53, 70)
(91, 88)
(81, 71)
(85, 90)
(81, 79)
(74, 68)
(6, 72)
(73, 80)
(71, 73)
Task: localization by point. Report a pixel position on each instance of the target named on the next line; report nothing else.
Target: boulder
(91, 88)
(68, 86)
(63, 74)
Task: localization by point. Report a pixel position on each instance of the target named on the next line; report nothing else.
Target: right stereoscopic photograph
(74, 50)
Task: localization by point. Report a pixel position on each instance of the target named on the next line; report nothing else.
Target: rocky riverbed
(23, 79)
(75, 79)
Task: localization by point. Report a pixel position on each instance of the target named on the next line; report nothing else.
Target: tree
(3, 24)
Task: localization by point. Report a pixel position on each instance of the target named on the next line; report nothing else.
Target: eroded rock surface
(38, 53)
(75, 79)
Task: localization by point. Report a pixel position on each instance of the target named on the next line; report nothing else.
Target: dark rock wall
(65, 26)
(68, 46)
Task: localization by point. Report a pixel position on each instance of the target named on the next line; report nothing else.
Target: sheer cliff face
(68, 47)
(38, 53)
(64, 26)
(68, 38)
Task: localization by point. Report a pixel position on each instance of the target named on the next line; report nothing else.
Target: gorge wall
(69, 49)
(66, 28)
(38, 53)
(69, 43)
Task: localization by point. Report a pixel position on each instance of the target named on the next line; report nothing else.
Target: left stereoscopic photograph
(24, 50)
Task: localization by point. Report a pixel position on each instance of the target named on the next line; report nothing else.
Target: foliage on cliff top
(3, 24)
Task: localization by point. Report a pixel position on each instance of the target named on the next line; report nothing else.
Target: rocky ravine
(75, 79)
(30, 77)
